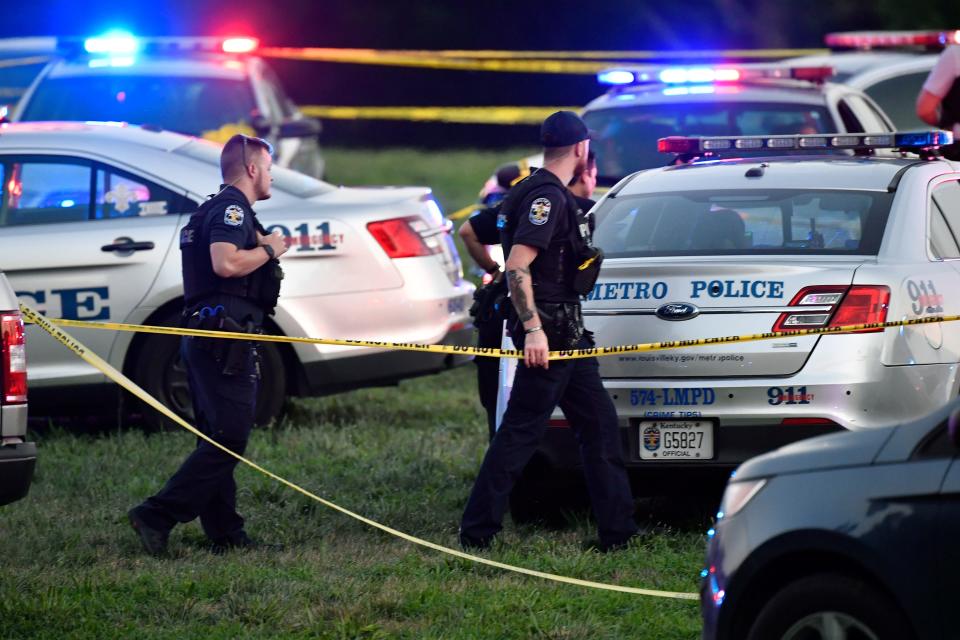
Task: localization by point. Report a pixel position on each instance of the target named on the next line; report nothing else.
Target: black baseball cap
(563, 129)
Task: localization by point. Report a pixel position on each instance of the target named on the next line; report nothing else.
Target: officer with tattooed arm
(550, 264)
(231, 280)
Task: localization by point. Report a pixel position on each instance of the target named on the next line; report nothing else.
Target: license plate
(676, 440)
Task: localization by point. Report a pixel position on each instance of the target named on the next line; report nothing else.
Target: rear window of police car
(286, 180)
(755, 222)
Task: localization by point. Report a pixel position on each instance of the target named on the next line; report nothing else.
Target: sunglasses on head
(259, 142)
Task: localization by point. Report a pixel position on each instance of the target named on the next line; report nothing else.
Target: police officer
(550, 264)
(231, 280)
(477, 233)
(584, 184)
(939, 101)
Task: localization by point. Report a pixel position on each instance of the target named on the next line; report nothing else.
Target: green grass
(406, 456)
(455, 176)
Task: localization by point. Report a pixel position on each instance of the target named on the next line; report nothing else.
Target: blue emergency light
(112, 43)
(906, 141)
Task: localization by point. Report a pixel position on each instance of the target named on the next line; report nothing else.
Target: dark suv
(850, 535)
(17, 457)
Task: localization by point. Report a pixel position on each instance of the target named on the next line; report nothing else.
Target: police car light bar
(907, 141)
(714, 74)
(891, 39)
(124, 44)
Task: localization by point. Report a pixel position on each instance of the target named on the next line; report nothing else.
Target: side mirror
(260, 124)
(301, 128)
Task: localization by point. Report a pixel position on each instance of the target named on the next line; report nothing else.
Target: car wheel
(544, 496)
(830, 607)
(159, 370)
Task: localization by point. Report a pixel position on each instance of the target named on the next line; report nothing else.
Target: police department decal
(540, 211)
(651, 438)
(233, 215)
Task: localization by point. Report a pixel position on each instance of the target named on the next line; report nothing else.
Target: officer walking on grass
(231, 279)
(490, 305)
(551, 263)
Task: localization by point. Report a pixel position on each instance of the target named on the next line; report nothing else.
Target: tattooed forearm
(515, 282)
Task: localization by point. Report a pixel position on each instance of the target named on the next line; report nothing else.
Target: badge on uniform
(233, 215)
(540, 211)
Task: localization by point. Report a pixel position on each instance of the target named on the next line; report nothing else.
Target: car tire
(805, 607)
(544, 496)
(159, 370)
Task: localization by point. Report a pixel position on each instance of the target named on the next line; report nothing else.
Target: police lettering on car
(551, 263)
(231, 279)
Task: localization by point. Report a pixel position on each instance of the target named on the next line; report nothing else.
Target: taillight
(14, 371)
(863, 305)
(401, 237)
(839, 306)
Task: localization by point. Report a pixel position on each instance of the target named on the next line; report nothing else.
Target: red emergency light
(240, 45)
(891, 39)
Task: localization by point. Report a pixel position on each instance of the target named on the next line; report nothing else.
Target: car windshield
(195, 106)
(625, 138)
(755, 222)
(286, 180)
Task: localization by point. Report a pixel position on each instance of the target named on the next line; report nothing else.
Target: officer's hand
(536, 350)
(277, 241)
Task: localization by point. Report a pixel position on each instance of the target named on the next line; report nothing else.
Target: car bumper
(732, 446)
(16, 470)
(384, 367)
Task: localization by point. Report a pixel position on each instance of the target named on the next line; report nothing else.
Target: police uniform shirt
(484, 225)
(228, 218)
(543, 222)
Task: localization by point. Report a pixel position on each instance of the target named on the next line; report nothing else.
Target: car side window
(936, 444)
(945, 220)
(122, 195)
(870, 120)
(273, 86)
(45, 190)
(850, 122)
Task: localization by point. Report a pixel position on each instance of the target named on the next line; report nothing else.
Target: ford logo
(677, 311)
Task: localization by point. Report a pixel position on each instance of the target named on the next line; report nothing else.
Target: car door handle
(127, 244)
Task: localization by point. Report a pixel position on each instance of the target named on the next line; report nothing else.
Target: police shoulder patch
(540, 211)
(233, 215)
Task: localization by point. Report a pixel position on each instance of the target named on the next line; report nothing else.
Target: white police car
(90, 219)
(649, 102)
(207, 87)
(888, 66)
(742, 245)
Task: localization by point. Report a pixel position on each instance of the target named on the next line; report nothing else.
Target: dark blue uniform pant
(575, 386)
(204, 486)
(489, 334)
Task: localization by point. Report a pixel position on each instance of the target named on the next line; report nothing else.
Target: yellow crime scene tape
(463, 115)
(630, 54)
(104, 367)
(423, 61)
(459, 214)
(570, 62)
(567, 354)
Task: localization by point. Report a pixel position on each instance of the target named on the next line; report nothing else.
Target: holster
(230, 353)
(562, 323)
(489, 302)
